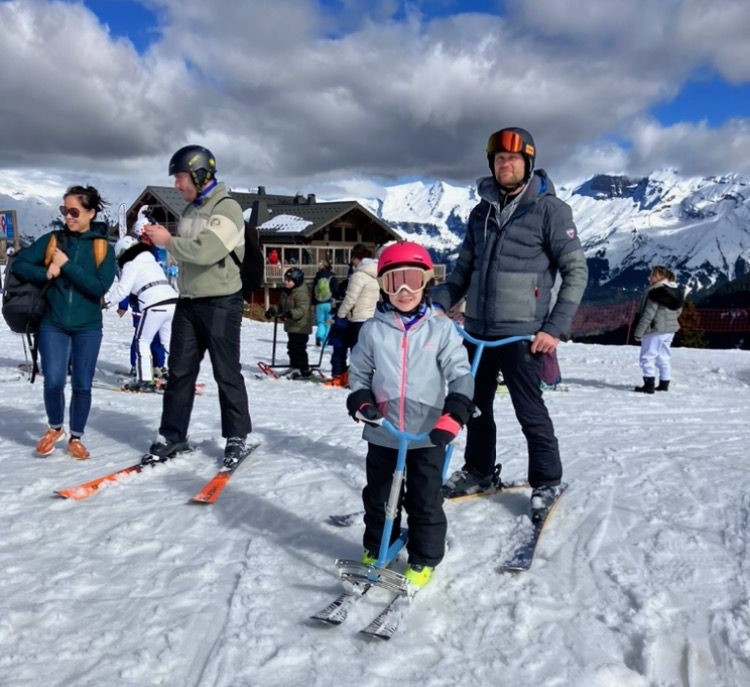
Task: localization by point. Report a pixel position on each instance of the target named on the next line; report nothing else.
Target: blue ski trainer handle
(481, 344)
(389, 551)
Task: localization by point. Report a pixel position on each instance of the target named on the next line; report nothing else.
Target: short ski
(523, 555)
(337, 611)
(267, 370)
(157, 390)
(213, 488)
(385, 623)
(83, 491)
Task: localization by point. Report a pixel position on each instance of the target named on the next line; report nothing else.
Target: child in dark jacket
(294, 309)
(655, 328)
(404, 358)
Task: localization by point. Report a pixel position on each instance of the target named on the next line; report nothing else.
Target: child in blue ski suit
(405, 357)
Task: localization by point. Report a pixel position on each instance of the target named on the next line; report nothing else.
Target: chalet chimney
(311, 199)
(261, 190)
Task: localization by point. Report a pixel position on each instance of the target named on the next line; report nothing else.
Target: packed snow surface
(642, 578)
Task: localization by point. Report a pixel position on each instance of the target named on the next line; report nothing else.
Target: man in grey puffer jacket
(518, 239)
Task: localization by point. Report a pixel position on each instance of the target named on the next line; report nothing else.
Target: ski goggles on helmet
(412, 279)
(73, 212)
(508, 141)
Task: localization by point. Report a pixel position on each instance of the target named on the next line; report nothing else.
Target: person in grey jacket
(658, 320)
(519, 238)
(208, 315)
(405, 358)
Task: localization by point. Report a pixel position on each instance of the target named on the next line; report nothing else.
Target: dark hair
(662, 272)
(88, 196)
(360, 251)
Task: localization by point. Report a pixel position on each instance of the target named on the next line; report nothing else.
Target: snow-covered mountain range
(699, 226)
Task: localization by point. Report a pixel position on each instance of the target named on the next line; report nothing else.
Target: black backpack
(24, 308)
(253, 265)
(24, 304)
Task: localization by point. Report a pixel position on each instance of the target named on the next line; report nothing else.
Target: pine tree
(690, 334)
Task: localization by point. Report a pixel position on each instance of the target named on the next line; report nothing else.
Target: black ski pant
(521, 373)
(200, 325)
(420, 498)
(296, 348)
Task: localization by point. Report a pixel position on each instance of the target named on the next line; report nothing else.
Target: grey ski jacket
(407, 371)
(660, 310)
(508, 262)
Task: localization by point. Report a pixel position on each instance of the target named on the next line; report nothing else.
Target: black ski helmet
(197, 161)
(294, 274)
(512, 139)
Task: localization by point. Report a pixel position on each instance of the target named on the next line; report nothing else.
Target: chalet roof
(171, 199)
(278, 214)
(312, 217)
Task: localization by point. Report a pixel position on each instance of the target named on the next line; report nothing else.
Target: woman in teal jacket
(81, 265)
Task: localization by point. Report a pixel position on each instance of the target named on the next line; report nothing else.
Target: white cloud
(296, 99)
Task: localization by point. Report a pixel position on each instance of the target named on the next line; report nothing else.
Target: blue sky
(343, 97)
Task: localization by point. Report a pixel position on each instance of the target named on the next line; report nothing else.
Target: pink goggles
(412, 279)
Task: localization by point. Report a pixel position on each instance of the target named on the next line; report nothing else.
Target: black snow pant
(420, 497)
(296, 347)
(200, 325)
(521, 373)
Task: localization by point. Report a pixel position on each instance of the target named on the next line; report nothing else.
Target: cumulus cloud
(295, 97)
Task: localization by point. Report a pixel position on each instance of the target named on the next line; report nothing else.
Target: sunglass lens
(73, 212)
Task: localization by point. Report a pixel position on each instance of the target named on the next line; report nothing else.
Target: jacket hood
(133, 252)
(369, 266)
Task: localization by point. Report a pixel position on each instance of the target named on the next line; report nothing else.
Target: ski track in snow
(640, 580)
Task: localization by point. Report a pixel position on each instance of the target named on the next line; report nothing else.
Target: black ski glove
(457, 410)
(270, 313)
(362, 403)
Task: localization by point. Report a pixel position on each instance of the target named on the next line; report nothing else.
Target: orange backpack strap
(100, 251)
(51, 247)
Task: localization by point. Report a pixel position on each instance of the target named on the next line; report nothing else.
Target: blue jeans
(58, 348)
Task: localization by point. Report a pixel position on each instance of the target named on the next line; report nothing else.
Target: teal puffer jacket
(74, 298)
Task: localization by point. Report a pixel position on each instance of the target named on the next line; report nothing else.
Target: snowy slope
(642, 579)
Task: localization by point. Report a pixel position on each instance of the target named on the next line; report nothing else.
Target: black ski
(523, 555)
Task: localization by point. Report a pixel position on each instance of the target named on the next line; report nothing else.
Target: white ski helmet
(123, 244)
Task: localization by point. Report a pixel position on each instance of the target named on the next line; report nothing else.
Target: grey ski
(523, 555)
(385, 624)
(337, 611)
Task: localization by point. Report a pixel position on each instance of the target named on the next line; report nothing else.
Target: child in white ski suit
(142, 276)
(405, 356)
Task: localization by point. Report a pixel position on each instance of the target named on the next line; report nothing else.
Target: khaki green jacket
(205, 236)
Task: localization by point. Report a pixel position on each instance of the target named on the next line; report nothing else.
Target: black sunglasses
(73, 212)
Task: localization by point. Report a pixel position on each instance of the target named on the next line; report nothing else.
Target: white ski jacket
(143, 277)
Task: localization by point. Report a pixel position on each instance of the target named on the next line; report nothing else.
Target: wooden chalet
(301, 231)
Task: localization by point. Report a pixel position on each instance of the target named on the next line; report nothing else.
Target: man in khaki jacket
(208, 315)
